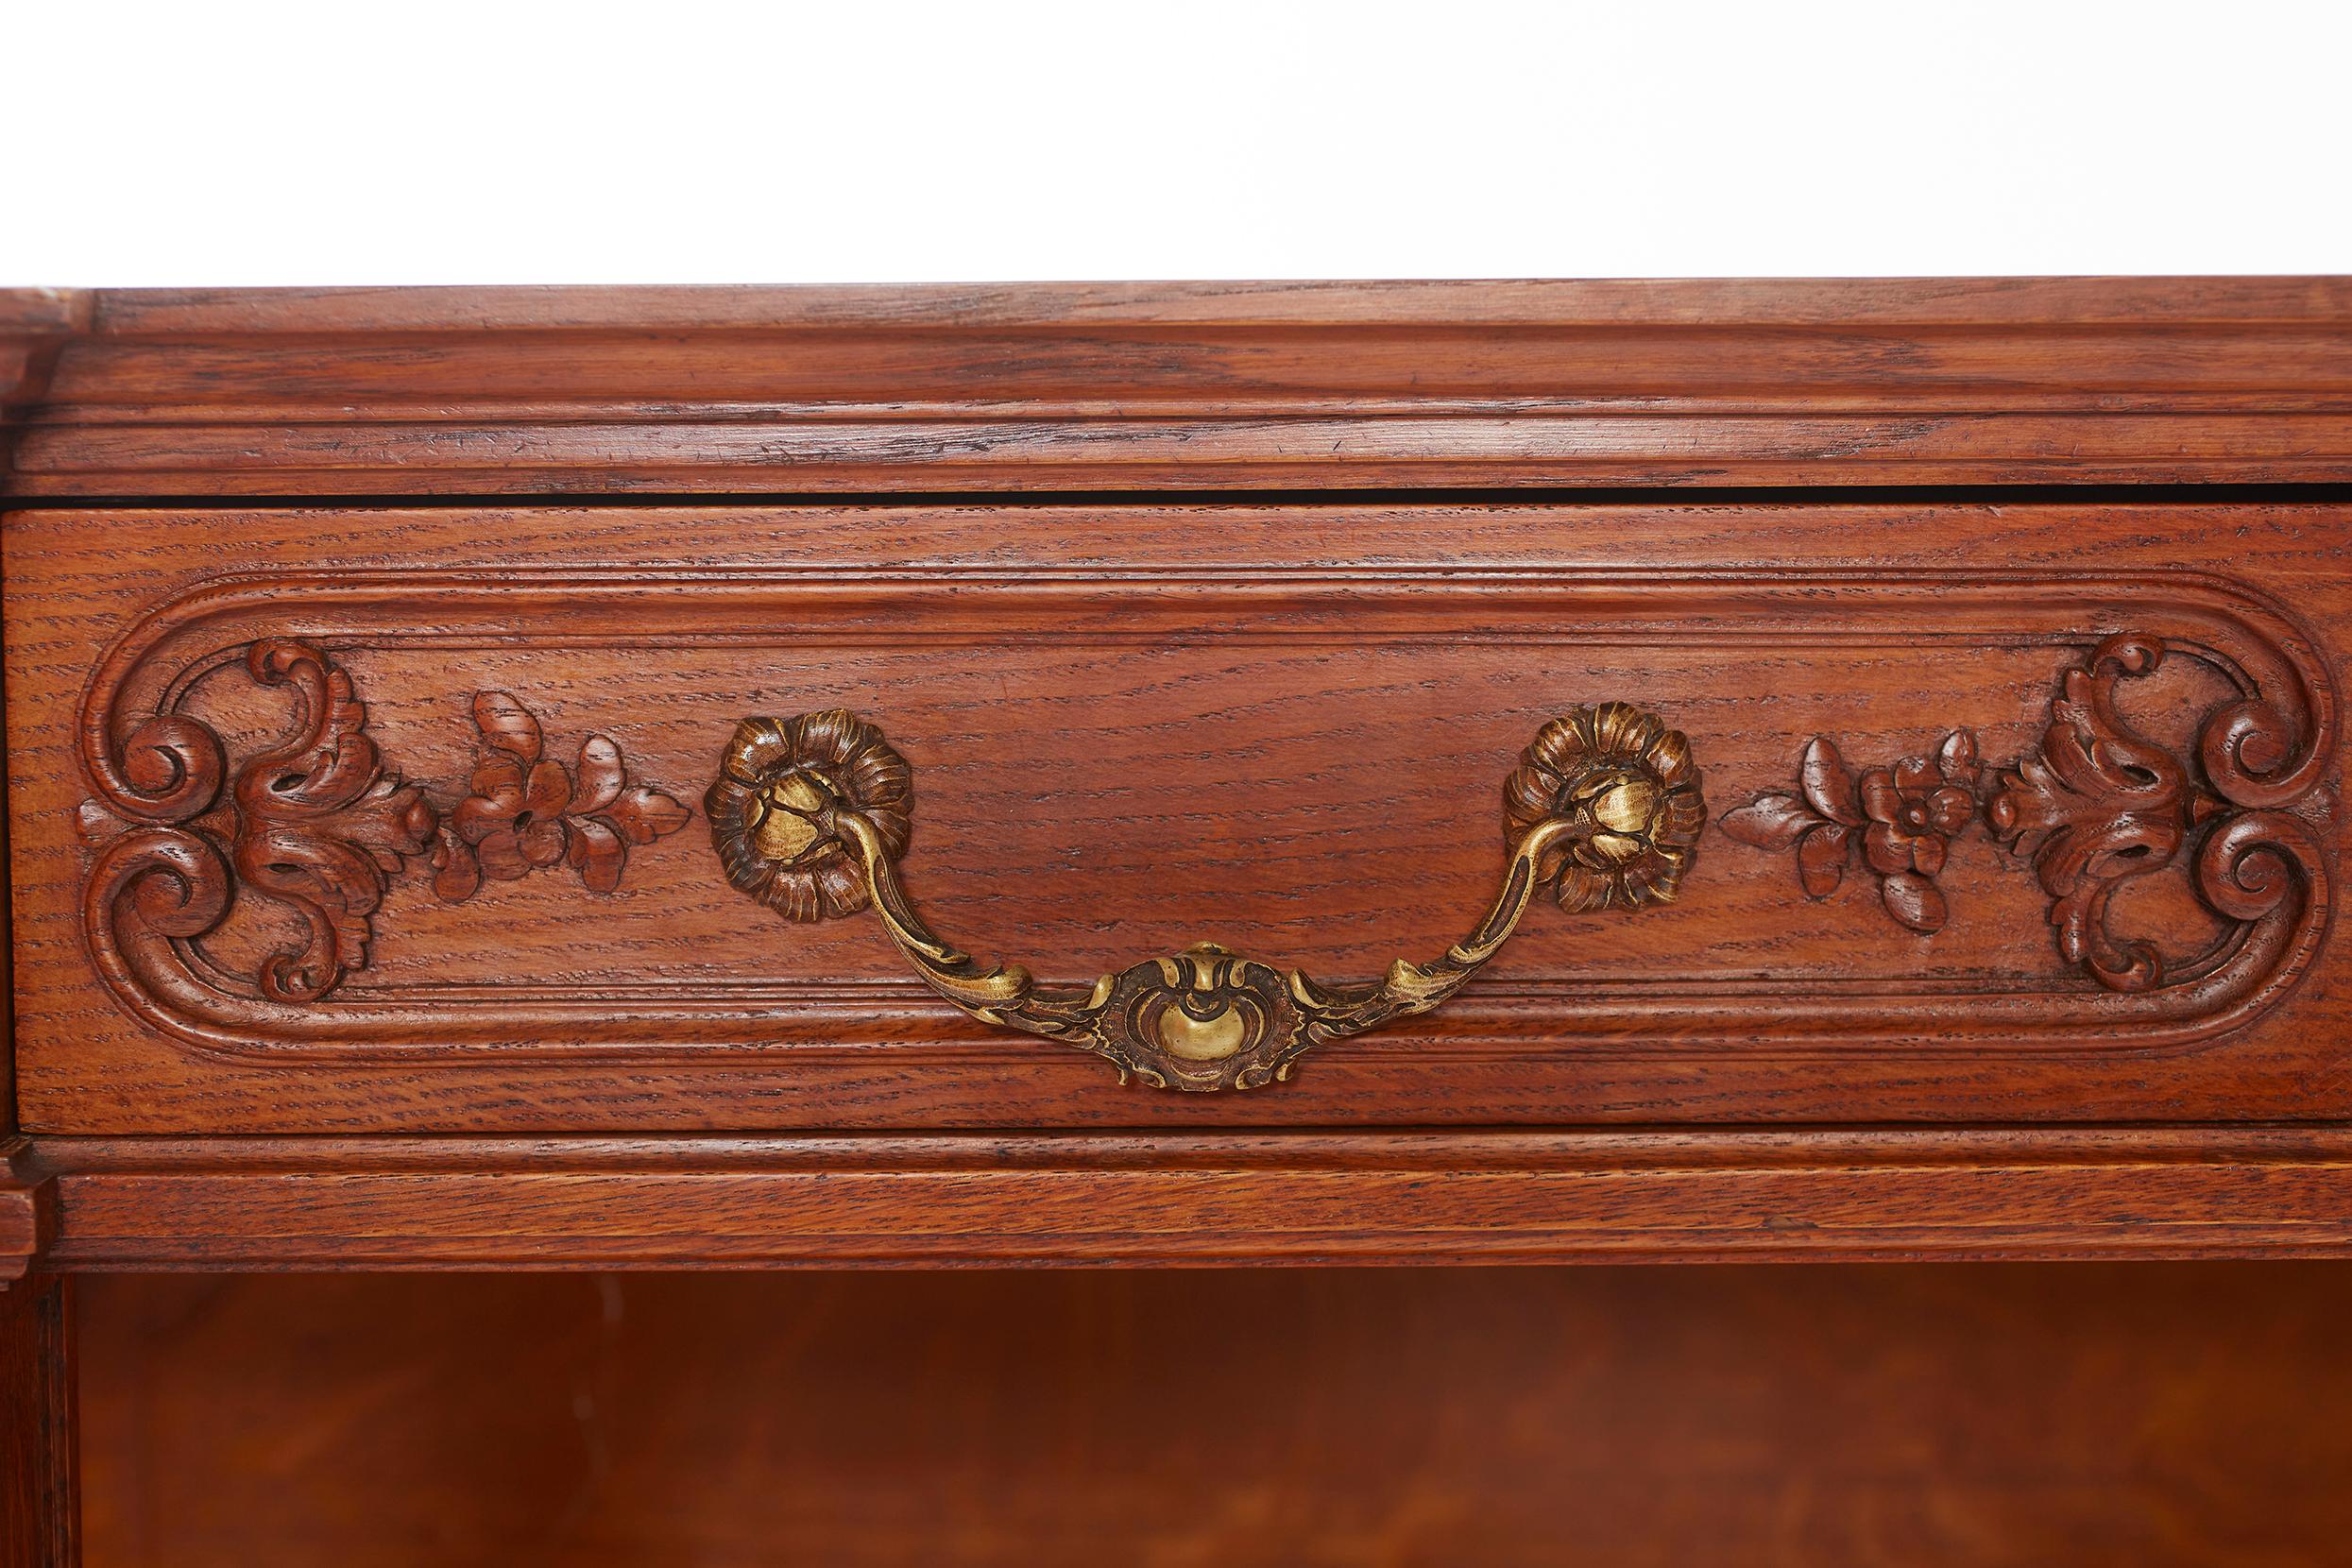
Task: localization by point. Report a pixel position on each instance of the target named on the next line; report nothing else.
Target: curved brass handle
(809, 816)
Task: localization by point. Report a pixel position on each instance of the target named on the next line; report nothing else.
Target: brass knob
(809, 816)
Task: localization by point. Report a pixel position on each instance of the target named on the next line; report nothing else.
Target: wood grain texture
(1283, 729)
(365, 918)
(40, 1510)
(810, 815)
(274, 1008)
(2154, 1416)
(1122, 386)
(35, 326)
(1202, 1198)
(27, 1209)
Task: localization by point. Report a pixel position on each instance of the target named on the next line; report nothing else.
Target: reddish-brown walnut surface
(1282, 728)
(1123, 387)
(374, 660)
(2127, 1416)
(371, 655)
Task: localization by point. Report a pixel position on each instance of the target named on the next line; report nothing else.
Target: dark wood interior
(1903, 1414)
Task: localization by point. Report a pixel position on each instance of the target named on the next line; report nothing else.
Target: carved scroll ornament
(319, 826)
(316, 824)
(2094, 806)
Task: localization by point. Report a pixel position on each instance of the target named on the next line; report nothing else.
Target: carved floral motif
(528, 811)
(1900, 819)
(2092, 807)
(319, 826)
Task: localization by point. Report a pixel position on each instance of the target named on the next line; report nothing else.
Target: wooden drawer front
(394, 820)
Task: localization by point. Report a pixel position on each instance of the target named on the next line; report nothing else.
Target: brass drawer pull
(809, 816)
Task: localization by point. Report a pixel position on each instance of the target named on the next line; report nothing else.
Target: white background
(347, 143)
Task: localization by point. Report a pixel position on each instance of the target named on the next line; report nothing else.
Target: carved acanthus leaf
(323, 828)
(2093, 806)
(2096, 806)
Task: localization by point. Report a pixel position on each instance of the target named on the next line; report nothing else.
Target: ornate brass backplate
(809, 816)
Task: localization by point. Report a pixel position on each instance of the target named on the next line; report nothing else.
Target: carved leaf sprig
(1900, 821)
(1818, 822)
(527, 811)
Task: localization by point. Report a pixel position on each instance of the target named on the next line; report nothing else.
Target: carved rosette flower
(1902, 819)
(1915, 809)
(1628, 784)
(527, 811)
(771, 809)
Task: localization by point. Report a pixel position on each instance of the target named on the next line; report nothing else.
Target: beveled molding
(35, 326)
(27, 1209)
(1195, 1199)
(157, 878)
(1200, 385)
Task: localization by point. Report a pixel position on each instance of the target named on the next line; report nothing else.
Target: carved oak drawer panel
(474, 819)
